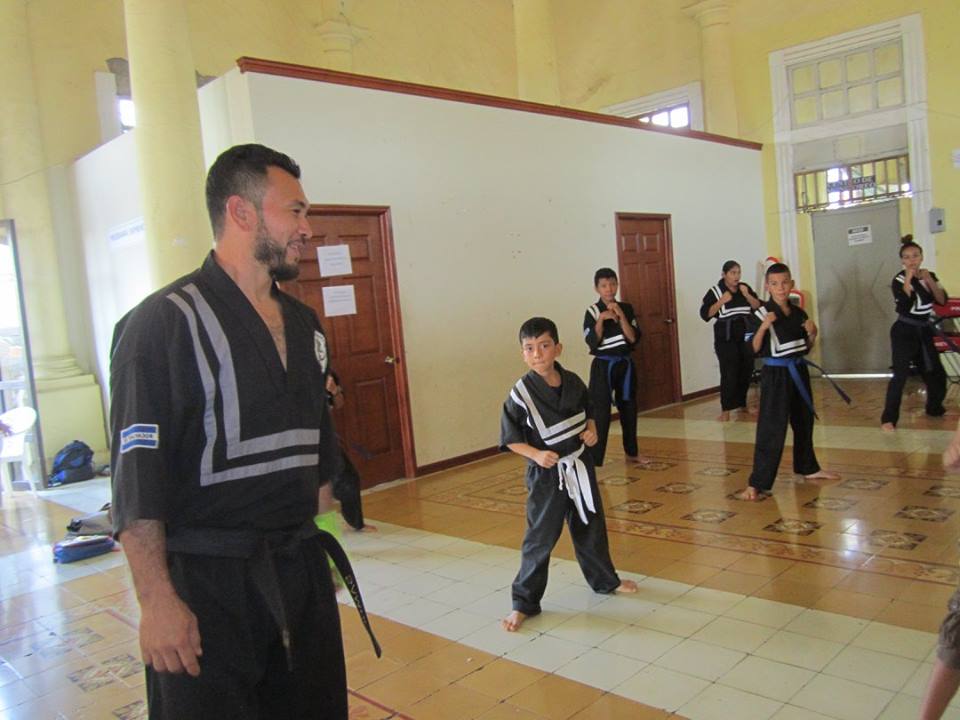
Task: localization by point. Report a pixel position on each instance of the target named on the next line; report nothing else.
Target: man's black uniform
(734, 354)
(214, 438)
(613, 377)
(784, 397)
(911, 340)
(550, 418)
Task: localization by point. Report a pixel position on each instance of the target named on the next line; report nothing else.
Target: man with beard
(221, 440)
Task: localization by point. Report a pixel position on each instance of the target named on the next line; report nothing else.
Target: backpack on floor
(73, 463)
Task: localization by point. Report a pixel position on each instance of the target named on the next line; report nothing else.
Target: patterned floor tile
(791, 526)
(679, 488)
(927, 514)
(636, 507)
(830, 503)
(895, 539)
(709, 516)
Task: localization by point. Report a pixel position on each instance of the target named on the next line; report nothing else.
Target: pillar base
(71, 409)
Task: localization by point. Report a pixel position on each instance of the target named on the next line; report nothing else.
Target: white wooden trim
(691, 94)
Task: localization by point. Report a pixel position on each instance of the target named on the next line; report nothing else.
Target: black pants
(780, 403)
(243, 669)
(600, 394)
(736, 369)
(914, 344)
(548, 507)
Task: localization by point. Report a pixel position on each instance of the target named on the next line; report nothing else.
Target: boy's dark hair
(730, 265)
(242, 170)
(907, 242)
(603, 274)
(776, 269)
(537, 326)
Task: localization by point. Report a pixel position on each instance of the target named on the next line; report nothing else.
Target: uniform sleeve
(590, 329)
(512, 418)
(946, 295)
(331, 462)
(141, 425)
(708, 300)
(632, 319)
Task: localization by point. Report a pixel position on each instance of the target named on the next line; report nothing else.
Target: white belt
(574, 474)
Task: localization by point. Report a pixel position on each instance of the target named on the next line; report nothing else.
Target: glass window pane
(803, 79)
(805, 110)
(830, 72)
(798, 182)
(886, 59)
(811, 189)
(821, 188)
(679, 117)
(890, 92)
(860, 98)
(833, 104)
(661, 118)
(858, 66)
(644, 118)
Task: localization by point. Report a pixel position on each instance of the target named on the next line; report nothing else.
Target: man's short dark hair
(603, 274)
(242, 170)
(776, 269)
(537, 326)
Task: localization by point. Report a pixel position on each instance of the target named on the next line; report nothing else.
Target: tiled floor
(820, 602)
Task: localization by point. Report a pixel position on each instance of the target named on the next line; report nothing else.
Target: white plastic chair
(13, 447)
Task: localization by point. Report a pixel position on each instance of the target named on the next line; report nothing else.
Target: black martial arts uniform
(784, 397)
(734, 354)
(911, 339)
(214, 438)
(550, 418)
(613, 377)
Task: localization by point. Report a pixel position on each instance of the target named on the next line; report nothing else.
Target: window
(676, 116)
(854, 82)
(854, 184)
(127, 113)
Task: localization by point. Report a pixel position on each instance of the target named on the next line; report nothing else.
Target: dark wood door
(365, 348)
(645, 254)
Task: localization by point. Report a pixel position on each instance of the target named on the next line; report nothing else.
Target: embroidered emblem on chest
(320, 349)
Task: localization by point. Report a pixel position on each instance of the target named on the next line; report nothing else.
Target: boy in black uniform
(547, 418)
(731, 302)
(611, 331)
(915, 290)
(783, 336)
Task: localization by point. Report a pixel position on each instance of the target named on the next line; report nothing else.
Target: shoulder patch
(140, 435)
(320, 349)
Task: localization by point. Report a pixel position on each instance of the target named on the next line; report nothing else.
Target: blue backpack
(73, 463)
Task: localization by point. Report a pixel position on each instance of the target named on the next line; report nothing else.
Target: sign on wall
(859, 235)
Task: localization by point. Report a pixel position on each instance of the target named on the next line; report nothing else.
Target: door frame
(383, 215)
(677, 394)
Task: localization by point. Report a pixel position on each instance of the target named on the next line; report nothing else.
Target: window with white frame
(853, 184)
(681, 107)
(851, 83)
(676, 116)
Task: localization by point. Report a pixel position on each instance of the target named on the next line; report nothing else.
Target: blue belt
(793, 365)
(627, 378)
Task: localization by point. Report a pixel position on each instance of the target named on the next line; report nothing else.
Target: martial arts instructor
(221, 439)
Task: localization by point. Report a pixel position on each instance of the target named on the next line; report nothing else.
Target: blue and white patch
(139, 436)
(320, 349)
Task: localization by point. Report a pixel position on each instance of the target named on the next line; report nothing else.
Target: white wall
(499, 215)
(107, 198)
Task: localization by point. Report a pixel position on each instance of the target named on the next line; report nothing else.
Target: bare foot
(638, 459)
(750, 494)
(367, 527)
(627, 586)
(513, 621)
(747, 410)
(888, 427)
(724, 416)
(822, 475)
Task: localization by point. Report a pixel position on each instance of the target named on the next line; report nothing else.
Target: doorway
(856, 255)
(645, 255)
(366, 342)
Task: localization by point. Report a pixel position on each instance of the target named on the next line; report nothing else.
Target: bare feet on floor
(627, 586)
(822, 475)
(724, 416)
(888, 427)
(513, 621)
(747, 410)
(750, 494)
(639, 459)
(367, 527)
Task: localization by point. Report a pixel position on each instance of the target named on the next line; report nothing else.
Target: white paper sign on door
(334, 260)
(860, 235)
(339, 300)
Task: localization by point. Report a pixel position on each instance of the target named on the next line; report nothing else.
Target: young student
(915, 290)
(731, 302)
(611, 331)
(547, 418)
(785, 334)
(945, 677)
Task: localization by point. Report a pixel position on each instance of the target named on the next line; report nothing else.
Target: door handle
(668, 321)
(390, 360)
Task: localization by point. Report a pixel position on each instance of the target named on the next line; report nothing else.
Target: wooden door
(366, 348)
(645, 253)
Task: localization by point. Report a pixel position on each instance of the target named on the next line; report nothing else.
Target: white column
(716, 62)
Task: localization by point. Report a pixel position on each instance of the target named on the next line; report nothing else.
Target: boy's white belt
(573, 473)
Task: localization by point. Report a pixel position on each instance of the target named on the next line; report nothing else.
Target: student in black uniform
(915, 290)
(221, 438)
(783, 336)
(547, 418)
(611, 331)
(731, 302)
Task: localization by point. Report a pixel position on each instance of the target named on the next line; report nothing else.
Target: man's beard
(270, 253)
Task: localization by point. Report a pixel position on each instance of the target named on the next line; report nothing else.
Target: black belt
(728, 322)
(934, 325)
(260, 547)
